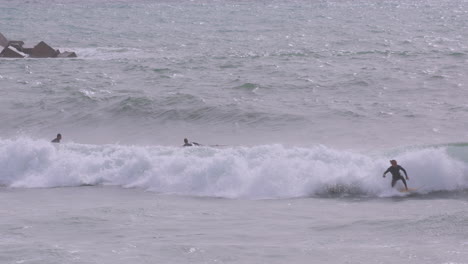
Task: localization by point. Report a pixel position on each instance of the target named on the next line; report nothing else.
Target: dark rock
(17, 44)
(28, 50)
(42, 50)
(8, 52)
(3, 40)
(67, 54)
(15, 49)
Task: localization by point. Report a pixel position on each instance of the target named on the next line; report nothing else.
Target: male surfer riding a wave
(395, 171)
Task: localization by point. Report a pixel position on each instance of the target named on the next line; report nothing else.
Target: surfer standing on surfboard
(395, 171)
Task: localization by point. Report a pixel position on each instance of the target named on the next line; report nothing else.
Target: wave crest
(269, 171)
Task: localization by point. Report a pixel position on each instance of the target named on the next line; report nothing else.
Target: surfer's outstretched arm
(386, 172)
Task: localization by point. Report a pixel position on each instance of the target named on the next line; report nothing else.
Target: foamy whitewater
(270, 171)
(298, 107)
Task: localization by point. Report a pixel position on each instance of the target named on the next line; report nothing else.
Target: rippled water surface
(339, 73)
(298, 105)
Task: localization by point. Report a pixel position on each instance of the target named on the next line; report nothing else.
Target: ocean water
(298, 107)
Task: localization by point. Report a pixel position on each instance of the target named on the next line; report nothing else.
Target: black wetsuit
(191, 144)
(395, 171)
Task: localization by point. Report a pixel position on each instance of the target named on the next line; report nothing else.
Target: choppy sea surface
(298, 107)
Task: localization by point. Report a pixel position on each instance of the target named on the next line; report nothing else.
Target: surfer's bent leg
(404, 182)
(395, 179)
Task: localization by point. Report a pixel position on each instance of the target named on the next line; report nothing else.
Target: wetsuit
(191, 144)
(395, 171)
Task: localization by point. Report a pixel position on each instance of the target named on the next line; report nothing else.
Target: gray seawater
(299, 106)
(108, 225)
(339, 73)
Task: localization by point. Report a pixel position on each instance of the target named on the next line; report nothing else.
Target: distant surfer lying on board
(395, 171)
(187, 144)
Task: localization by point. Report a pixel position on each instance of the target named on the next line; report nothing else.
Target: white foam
(270, 171)
(109, 53)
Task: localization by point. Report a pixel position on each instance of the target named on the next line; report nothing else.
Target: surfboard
(410, 190)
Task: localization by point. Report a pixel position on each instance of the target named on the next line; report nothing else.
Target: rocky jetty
(15, 49)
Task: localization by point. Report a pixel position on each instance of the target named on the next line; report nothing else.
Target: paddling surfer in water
(57, 139)
(187, 144)
(395, 171)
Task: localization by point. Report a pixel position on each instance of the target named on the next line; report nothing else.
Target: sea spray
(266, 171)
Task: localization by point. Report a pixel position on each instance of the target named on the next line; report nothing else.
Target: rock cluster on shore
(15, 49)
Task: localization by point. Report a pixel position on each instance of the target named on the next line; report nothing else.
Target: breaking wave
(256, 172)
